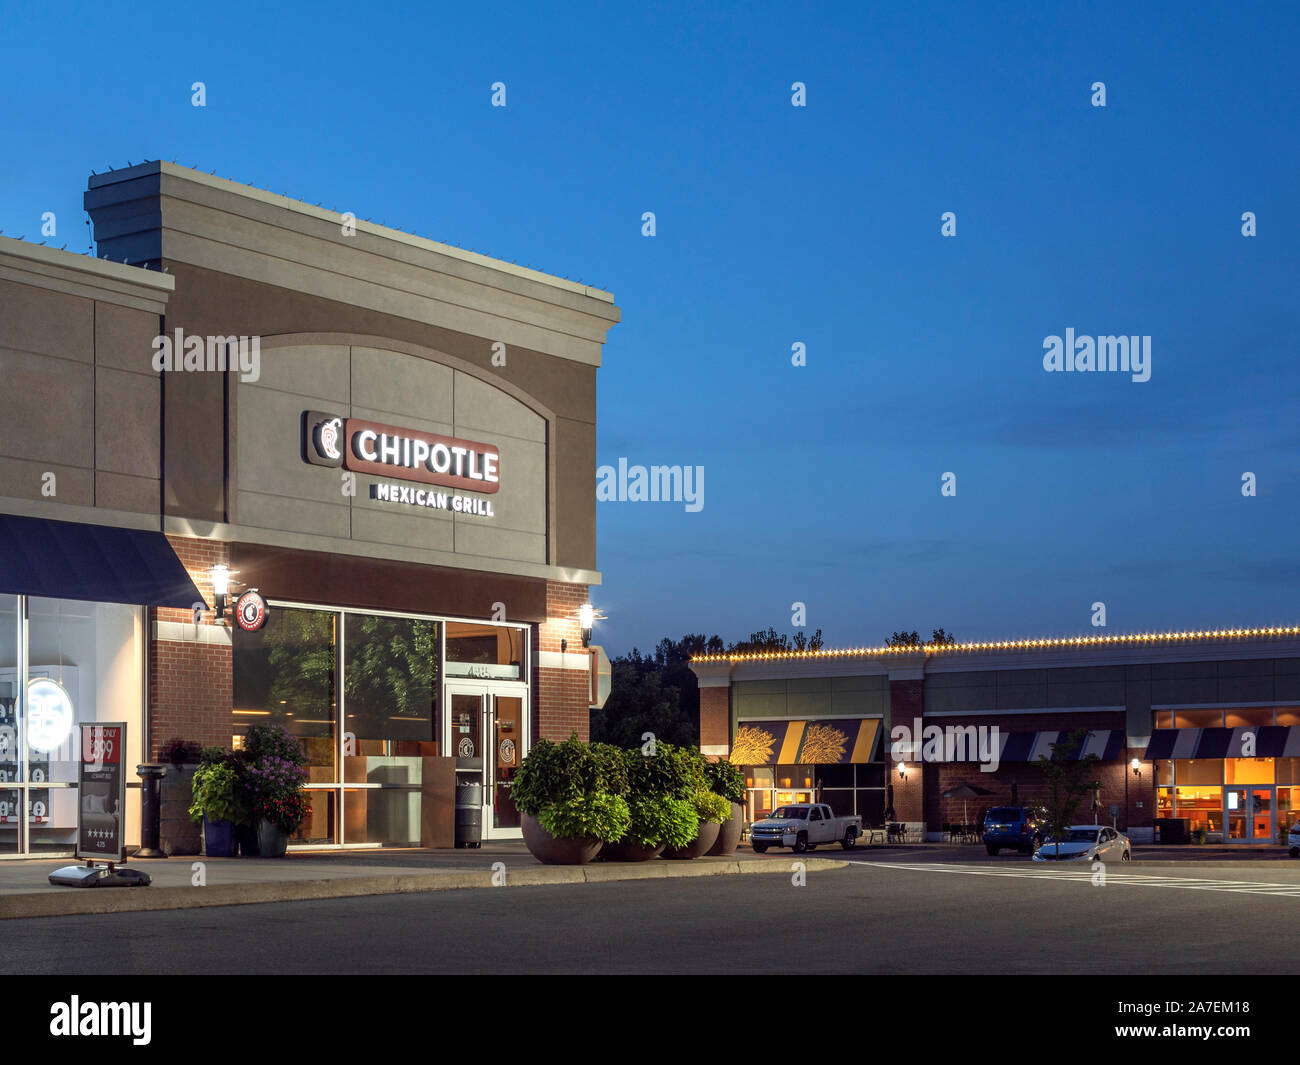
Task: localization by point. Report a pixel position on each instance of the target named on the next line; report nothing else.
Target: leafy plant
(554, 773)
(725, 779)
(670, 770)
(1198, 835)
(659, 819)
(596, 813)
(710, 807)
(273, 742)
(216, 793)
(286, 812)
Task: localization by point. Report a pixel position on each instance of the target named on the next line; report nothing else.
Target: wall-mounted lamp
(902, 771)
(1137, 767)
(588, 615)
(220, 589)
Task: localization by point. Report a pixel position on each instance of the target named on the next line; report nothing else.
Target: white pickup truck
(802, 826)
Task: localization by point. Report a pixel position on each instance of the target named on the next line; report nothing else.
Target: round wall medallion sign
(49, 715)
(465, 749)
(507, 751)
(250, 611)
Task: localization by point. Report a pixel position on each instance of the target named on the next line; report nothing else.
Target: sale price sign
(101, 798)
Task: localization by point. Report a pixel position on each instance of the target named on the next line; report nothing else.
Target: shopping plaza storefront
(1191, 730)
(282, 467)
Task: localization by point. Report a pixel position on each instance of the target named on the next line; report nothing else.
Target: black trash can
(1174, 829)
(469, 813)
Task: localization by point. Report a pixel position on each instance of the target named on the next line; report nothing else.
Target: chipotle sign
(406, 454)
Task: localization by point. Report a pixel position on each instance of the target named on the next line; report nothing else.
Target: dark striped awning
(1262, 741)
(1106, 744)
(823, 742)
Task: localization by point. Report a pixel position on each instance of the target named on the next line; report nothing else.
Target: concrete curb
(76, 901)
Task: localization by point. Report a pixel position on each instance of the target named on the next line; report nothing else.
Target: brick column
(190, 679)
(563, 689)
(906, 703)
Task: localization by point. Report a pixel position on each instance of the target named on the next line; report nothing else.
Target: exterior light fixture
(220, 589)
(1137, 767)
(902, 771)
(588, 615)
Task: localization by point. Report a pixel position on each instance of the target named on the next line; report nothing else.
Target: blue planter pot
(271, 840)
(218, 839)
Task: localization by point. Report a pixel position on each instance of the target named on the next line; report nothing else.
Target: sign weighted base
(98, 876)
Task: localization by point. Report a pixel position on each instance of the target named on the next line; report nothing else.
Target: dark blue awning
(1256, 741)
(68, 560)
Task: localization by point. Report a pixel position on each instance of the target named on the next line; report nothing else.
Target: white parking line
(1114, 875)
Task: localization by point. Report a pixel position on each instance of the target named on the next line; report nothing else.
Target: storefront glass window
(1198, 771)
(1165, 771)
(10, 798)
(1164, 719)
(1288, 715)
(1288, 770)
(84, 664)
(1198, 719)
(1250, 717)
(284, 673)
(1246, 771)
(1203, 806)
(390, 682)
(485, 652)
(1164, 802)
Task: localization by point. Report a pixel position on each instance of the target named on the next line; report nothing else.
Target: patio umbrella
(964, 792)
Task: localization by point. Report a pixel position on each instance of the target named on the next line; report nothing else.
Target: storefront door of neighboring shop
(488, 726)
(1249, 814)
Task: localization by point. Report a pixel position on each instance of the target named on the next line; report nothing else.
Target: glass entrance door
(1250, 814)
(488, 726)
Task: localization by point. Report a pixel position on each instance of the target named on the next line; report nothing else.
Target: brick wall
(563, 695)
(190, 688)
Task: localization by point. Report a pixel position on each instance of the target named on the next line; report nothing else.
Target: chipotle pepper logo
(404, 454)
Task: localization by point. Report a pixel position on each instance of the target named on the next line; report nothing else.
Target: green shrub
(669, 771)
(659, 819)
(726, 780)
(216, 792)
(612, 768)
(596, 813)
(711, 807)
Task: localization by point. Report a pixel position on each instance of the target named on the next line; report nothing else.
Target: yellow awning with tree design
(819, 742)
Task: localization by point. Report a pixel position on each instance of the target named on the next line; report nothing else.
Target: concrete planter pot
(625, 851)
(700, 846)
(271, 840)
(729, 832)
(549, 850)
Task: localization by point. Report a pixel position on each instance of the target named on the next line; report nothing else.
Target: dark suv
(1011, 826)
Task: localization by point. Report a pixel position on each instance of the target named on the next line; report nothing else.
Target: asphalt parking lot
(889, 917)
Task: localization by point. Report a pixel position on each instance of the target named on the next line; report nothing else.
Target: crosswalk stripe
(1132, 879)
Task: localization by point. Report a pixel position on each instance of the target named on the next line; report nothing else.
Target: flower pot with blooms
(273, 774)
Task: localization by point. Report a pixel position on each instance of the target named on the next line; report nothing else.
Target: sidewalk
(25, 890)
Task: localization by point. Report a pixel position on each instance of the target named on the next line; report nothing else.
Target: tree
(913, 639)
(1069, 779)
(771, 640)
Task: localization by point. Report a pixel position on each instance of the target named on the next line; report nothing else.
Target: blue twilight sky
(819, 225)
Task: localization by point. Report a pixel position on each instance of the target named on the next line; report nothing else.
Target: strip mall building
(391, 441)
(1202, 726)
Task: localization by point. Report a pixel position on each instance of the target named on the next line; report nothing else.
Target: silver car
(1087, 843)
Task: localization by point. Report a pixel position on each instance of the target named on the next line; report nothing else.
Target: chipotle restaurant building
(1192, 730)
(286, 467)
